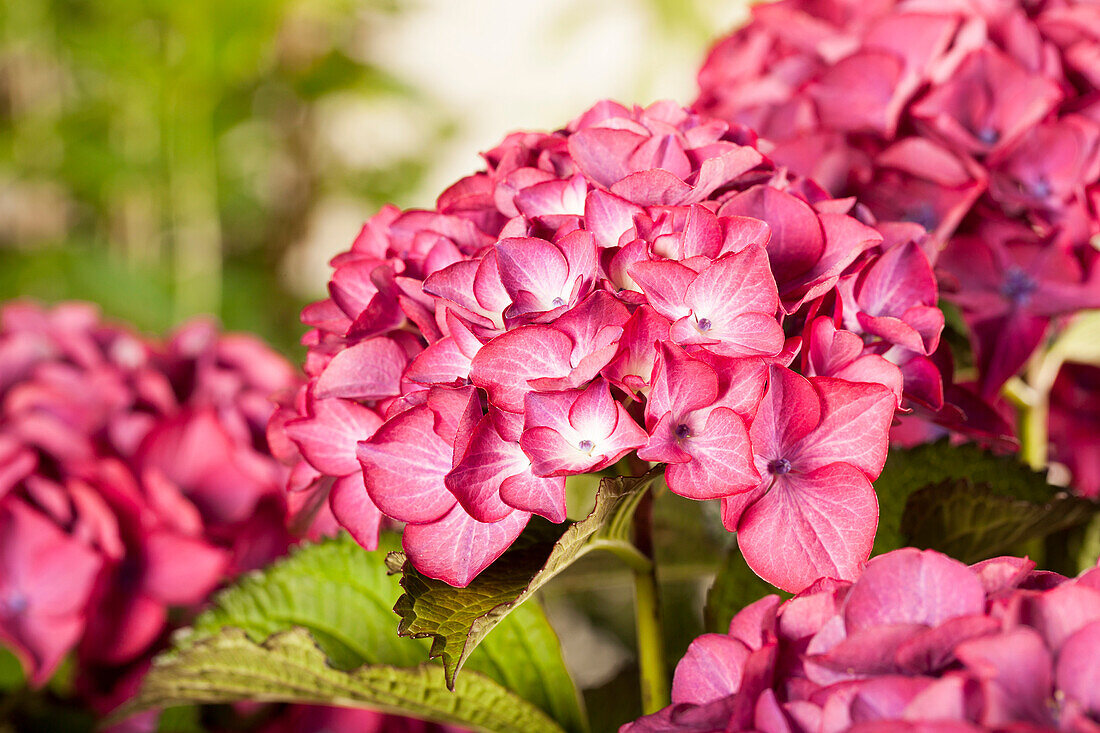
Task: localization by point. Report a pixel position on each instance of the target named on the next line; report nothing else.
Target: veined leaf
(341, 597)
(908, 471)
(289, 666)
(458, 619)
(972, 522)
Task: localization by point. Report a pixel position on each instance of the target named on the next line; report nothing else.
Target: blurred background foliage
(167, 158)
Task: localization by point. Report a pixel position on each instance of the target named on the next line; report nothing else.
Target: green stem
(1033, 422)
(647, 615)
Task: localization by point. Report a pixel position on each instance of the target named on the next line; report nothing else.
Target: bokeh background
(166, 158)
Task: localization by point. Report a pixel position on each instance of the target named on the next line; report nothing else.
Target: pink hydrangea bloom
(614, 289)
(976, 121)
(134, 478)
(918, 642)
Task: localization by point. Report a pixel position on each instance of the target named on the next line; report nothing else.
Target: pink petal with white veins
(404, 464)
(789, 412)
(608, 217)
(721, 459)
(329, 437)
(457, 547)
(734, 284)
(535, 494)
(739, 232)
(369, 370)
(504, 365)
(487, 462)
(680, 384)
(854, 427)
(602, 154)
(441, 363)
(654, 187)
(637, 349)
(354, 510)
(535, 267)
(819, 525)
(665, 284)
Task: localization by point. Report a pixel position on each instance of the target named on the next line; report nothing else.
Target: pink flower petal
(456, 547)
(808, 527)
(354, 510)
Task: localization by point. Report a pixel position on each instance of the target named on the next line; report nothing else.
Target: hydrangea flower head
(976, 121)
(918, 642)
(134, 478)
(633, 285)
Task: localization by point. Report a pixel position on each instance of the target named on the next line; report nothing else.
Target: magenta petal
(929, 651)
(1078, 670)
(797, 240)
(1060, 612)
(353, 509)
(721, 459)
(654, 187)
(53, 574)
(543, 496)
(854, 426)
(403, 467)
(820, 525)
(181, 570)
(328, 439)
(1015, 670)
(370, 370)
(790, 411)
(504, 365)
(457, 547)
(945, 699)
(756, 622)
(913, 586)
(886, 698)
(476, 480)
(892, 329)
(866, 652)
(710, 670)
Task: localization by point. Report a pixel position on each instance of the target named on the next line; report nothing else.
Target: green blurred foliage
(159, 157)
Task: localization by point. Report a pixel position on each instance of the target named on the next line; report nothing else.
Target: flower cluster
(134, 478)
(637, 285)
(979, 121)
(919, 642)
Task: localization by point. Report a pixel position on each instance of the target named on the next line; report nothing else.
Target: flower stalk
(653, 669)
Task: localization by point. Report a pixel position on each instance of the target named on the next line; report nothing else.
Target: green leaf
(910, 470)
(11, 672)
(735, 587)
(289, 666)
(972, 522)
(458, 619)
(342, 596)
(1088, 551)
